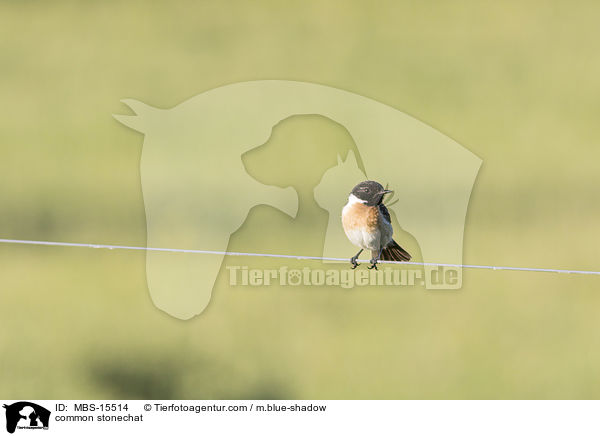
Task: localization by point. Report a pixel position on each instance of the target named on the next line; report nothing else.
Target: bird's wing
(385, 213)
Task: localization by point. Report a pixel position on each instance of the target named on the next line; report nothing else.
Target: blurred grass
(515, 82)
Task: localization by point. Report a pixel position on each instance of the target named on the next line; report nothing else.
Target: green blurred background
(515, 82)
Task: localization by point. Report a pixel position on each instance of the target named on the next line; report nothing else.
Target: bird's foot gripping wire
(373, 263)
(354, 260)
(375, 260)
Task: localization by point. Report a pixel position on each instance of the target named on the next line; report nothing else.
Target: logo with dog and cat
(25, 415)
(246, 155)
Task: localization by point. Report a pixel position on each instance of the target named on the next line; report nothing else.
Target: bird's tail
(395, 252)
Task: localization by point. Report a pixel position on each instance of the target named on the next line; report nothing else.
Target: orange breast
(359, 216)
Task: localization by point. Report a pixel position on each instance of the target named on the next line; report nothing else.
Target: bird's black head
(369, 192)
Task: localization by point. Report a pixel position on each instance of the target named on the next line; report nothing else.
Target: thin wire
(289, 256)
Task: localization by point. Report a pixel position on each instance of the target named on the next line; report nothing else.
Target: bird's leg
(375, 259)
(353, 259)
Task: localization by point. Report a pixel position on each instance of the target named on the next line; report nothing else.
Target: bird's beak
(386, 191)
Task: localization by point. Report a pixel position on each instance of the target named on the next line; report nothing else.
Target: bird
(368, 225)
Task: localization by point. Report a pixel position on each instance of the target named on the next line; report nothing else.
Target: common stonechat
(368, 225)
